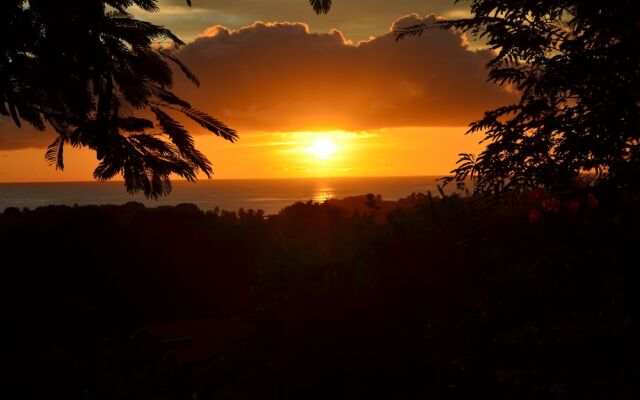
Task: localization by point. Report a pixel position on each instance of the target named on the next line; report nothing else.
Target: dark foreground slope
(536, 300)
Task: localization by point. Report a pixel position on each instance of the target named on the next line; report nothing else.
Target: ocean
(270, 195)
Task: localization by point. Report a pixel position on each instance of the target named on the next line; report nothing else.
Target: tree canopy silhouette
(575, 65)
(100, 78)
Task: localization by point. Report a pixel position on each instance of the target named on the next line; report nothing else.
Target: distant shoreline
(270, 195)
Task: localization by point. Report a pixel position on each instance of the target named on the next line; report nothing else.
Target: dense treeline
(535, 299)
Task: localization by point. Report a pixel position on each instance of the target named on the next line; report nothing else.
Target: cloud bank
(14, 138)
(279, 76)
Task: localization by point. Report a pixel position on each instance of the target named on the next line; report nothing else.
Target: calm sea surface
(270, 195)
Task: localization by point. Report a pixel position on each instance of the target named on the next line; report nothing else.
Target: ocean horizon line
(268, 194)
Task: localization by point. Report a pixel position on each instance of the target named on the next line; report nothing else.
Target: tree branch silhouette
(575, 67)
(95, 74)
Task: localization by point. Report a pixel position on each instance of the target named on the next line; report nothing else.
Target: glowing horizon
(390, 152)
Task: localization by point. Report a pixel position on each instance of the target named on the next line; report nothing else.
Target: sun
(323, 148)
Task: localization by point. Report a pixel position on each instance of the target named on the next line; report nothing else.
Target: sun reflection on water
(323, 194)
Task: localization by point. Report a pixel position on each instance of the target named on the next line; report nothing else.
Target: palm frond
(134, 124)
(54, 153)
(14, 115)
(415, 30)
(176, 132)
(321, 6)
(168, 97)
(130, 28)
(183, 141)
(211, 124)
(148, 5)
(185, 70)
(32, 116)
(108, 168)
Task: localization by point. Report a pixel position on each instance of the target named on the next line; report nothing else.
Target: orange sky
(384, 152)
(385, 108)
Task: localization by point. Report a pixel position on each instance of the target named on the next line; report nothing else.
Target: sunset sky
(329, 95)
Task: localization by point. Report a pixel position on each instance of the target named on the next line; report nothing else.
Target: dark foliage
(95, 74)
(321, 6)
(444, 302)
(576, 67)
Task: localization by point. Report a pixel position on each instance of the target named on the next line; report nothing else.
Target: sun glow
(322, 148)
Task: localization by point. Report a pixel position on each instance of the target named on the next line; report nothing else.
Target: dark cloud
(279, 76)
(14, 138)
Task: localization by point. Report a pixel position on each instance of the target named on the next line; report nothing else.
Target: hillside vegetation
(526, 298)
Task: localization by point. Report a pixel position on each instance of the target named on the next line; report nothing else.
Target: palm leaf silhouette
(94, 73)
(54, 153)
(187, 72)
(321, 6)
(211, 124)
